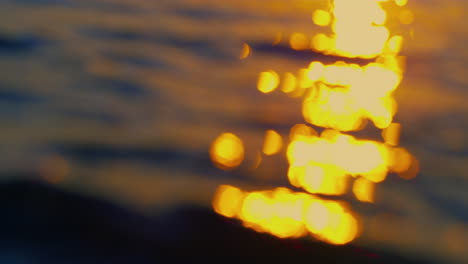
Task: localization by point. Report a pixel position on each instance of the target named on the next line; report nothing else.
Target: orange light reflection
(227, 151)
(339, 97)
(273, 143)
(288, 214)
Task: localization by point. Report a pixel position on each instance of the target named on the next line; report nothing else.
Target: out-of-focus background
(109, 107)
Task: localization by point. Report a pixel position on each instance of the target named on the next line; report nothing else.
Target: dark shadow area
(122, 87)
(70, 228)
(100, 117)
(100, 153)
(201, 47)
(138, 61)
(17, 44)
(17, 97)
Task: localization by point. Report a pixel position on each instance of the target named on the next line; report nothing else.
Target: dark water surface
(119, 100)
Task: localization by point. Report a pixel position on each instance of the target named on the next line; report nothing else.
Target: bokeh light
(246, 51)
(364, 190)
(339, 97)
(227, 151)
(321, 17)
(299, 41)
(273, 143)
(287, 214)
(268, 81)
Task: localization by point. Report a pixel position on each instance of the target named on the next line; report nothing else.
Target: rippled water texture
(121, 99)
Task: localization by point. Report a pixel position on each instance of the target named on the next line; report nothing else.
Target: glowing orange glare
(246, 51)
(331, 135)
(331, 222)
(332, 108)
(343, 96)
(298, 92)
(401, 2)
(391, 134)
(301, 130)
(321, 17)
(268, 81)
(321, 42)
(412, 171)
(294, 175)
(401, 160)
(315, 71)
(227, 200)
(378, 75)
(255, 207)
(304, 81)
(287, 214)
(339, 97)
(289, 83)
(337, 155)
(406, 17)
(285, 227)
(273, 143)
(344, 231)
(299, 41)
(352, 45)
(395, 43)
(363, 189)
(358, 29)
(313, 178)
(227, 151)
(322, 179)
(316, 216)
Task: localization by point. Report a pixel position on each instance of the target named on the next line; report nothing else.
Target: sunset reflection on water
(339, 97)
(123, 100)
(343, 97)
